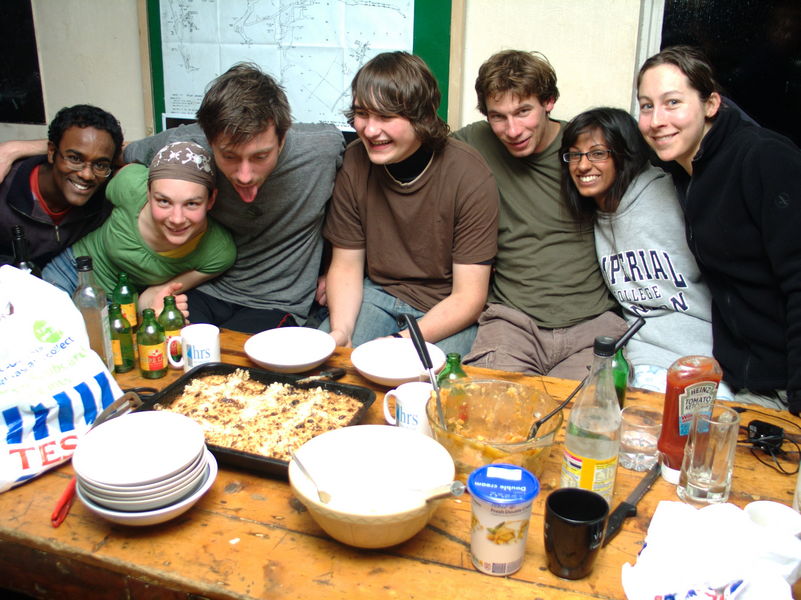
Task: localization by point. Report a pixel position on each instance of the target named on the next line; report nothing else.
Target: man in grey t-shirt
(274, 179)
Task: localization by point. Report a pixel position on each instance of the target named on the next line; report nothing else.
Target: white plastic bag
(52, 385)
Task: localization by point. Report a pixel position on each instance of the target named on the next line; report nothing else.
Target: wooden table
(249, 538)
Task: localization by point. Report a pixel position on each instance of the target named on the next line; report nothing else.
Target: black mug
(575, 521)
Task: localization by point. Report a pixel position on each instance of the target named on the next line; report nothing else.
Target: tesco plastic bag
(52, 385)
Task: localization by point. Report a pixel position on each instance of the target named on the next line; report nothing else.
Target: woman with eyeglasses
(608, 181)
(740, 187)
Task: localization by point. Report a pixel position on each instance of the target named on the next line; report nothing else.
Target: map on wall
(312, 47)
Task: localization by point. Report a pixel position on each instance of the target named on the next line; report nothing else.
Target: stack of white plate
(143, 468)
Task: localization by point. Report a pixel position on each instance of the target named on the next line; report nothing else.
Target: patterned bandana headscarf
(186, 161)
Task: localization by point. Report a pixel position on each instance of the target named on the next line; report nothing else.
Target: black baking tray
(245, 460)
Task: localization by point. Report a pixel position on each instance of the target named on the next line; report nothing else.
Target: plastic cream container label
(502, 496)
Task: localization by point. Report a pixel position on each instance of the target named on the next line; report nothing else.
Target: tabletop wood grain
(249, 538)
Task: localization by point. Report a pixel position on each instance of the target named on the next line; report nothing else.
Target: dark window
(755, 47)
(20, 83)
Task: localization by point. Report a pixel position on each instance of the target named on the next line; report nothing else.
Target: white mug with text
(200, 343)
(410, 406)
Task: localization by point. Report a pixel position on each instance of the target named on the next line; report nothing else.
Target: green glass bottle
(452, 372)
(620, 372)
(122, 344)
(152, 347)
(127, 297)
(452, 369)
(172, 321)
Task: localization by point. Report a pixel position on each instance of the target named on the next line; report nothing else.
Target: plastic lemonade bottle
(152, 347)
(172, 321)
(592, 439)
(91, 301)
(121, 340)
(692, 384)
(127, 297)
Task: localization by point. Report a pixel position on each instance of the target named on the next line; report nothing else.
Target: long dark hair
(629, 152)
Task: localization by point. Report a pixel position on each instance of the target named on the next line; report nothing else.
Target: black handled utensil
(622, 341)
(425, 358)
(331, 374)
(628, 508)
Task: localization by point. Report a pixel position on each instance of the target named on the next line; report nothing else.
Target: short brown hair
(524, 74)
(689, 60)
(399, 83)
(242, 103)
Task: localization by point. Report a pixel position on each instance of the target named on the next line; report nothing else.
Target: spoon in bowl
(324, 496)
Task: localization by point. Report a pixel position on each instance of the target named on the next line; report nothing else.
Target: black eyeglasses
(592, 156)
(100, 168)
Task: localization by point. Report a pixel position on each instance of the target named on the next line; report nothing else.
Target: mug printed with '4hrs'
(200, 343)
(410, 406)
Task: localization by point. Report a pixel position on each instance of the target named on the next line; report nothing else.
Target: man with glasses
(548, 300)
(58, 197)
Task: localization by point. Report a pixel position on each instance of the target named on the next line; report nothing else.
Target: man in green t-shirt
(548, 300)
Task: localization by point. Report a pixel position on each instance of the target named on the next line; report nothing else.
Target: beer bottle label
(152, 357)
(129, 312)
(116, 348)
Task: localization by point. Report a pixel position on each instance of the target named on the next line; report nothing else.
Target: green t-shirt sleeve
(128, 186)
(219, 249)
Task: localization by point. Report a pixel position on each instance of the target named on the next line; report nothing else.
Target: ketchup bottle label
(696, 397)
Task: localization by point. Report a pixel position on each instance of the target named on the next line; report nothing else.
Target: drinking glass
(709, 456)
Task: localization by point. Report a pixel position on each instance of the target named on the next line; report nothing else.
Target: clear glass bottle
(152, 346)
(172, 321)
(620, 370)
(127, 297)
(122, 343)
(592, 440)
(91, 301)
(22, 252)
(452, 370)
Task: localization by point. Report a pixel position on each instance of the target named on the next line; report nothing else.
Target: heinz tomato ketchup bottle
(692, 384)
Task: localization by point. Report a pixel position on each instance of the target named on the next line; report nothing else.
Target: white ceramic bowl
(159, 515)
(290, 349)
(148, 501)
(393, 361)
(195, 471)
(138, 449)
(775, 516)
(376, 475)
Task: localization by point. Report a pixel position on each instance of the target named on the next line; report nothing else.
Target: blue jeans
(62, 272)
(378, 317)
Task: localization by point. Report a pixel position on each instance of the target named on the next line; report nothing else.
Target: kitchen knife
(331, 374)
(628, 508)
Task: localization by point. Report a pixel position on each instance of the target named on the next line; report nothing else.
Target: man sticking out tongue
(274, 178)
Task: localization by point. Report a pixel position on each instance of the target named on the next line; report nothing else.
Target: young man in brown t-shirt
(413, 210)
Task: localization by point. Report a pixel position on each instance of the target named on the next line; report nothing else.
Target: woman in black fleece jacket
(740, 187)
